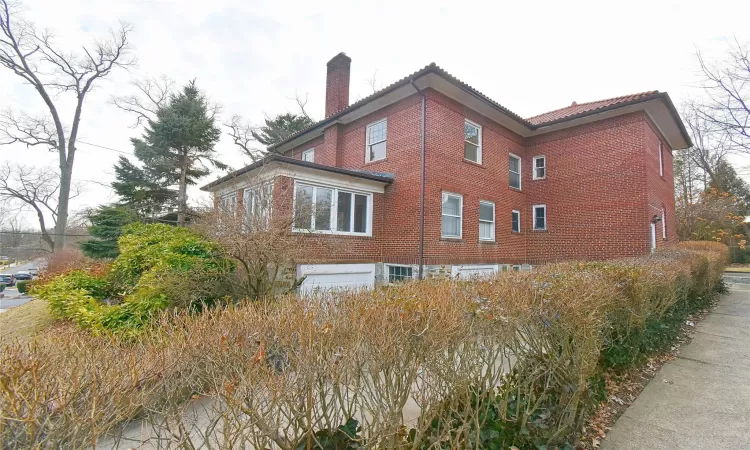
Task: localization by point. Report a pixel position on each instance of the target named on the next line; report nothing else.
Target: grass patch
(22, 322)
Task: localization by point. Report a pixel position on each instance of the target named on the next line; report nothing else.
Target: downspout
(422, 185)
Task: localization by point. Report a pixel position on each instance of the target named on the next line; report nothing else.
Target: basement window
(399, 274)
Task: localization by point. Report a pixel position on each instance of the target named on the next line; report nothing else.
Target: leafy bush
(513, 360)
(2, 287)
(22, 286)
(159, 267)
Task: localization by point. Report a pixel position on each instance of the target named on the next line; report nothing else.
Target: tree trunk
(66, 179)
(182, 195)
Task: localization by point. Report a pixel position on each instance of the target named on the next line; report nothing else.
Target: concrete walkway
(701, 400)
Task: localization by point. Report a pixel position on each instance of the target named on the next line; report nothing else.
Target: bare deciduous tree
(33, 56)
(241, 133)
(153, 94)
(23, 187)
(727, 86)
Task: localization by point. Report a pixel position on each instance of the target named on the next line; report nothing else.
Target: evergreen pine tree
(280, 127)
(106, 227)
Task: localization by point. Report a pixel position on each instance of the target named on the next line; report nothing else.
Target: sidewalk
(701, 400)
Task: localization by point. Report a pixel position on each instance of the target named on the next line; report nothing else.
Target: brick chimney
(337, 83)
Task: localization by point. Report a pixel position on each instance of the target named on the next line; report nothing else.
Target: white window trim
(534, 167)
(533, 217)
(249, 210)
(460, 215)
(479, 147)
(334, 210)
(520, 166)
(663, 225)
(368, 143)
(511, 221)
(309, 151)
(228, 201)
(661, 159)
(487, 202)
(388, 270)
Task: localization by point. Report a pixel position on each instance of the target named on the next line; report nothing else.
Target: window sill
(511, 188)
(451, 239)
(474, 163)
(540, 231)
(331, 234)
(367, 163)
(539, 179)
(487, 242)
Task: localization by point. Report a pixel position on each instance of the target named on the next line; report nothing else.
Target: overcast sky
(251, 57)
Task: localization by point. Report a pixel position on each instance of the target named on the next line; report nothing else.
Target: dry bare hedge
(511, 360)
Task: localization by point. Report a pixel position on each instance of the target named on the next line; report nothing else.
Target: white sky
(251, 57)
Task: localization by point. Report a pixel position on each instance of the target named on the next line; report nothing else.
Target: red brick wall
(660, 188)
(448, 171)
(595, 192)
(601, 179)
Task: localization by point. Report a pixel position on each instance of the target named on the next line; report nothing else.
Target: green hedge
(23, 286)
(159, 266)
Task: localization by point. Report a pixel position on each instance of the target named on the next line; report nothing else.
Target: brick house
(430, 177)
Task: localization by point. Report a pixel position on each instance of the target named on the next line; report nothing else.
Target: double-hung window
(326, 209)
(661, 160)
(309, 155)
(540, 167)
(472, 142)
(257, 201)
(514, 169)
(515, 221)
(540, 217)
(228, 203)
(376, 136)
(452, 215)
(486, 221)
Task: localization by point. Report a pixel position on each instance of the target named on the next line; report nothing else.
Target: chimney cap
(574, 103)
(341, 57)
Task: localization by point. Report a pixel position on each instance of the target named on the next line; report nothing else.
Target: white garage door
(328, 277)
(473, 271)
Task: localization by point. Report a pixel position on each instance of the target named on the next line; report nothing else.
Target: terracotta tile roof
(434, 68)
(577, 109)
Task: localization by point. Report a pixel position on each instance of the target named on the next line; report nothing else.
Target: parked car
(22, 275)
(34, 271)
(7, 279)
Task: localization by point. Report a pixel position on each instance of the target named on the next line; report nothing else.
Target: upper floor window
(319, 208)
(452, 215)
(472, 142)
(376, 136)
(309, 155)
(661, 160)
(514, 169)
(515, 221)
(663, 224)
(540, 167)
(228, 203)
(257, 202)
(540, 217)
(486, 221)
